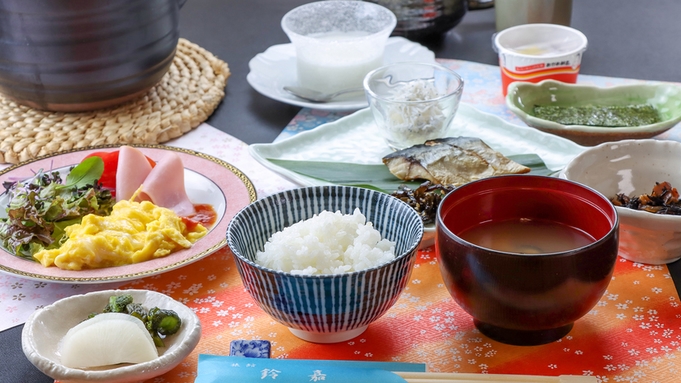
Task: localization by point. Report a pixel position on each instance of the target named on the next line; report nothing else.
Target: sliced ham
(164, 186)
(133, 169)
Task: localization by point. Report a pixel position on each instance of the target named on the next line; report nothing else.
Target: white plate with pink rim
(275, 68)
(208, 180)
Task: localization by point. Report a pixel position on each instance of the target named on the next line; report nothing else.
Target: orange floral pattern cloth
(632, 335)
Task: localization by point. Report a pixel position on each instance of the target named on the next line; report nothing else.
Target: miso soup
(527, 236)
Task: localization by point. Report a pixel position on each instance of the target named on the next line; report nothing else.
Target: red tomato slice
(108, 178)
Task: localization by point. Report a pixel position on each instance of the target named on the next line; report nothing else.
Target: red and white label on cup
(537, 52)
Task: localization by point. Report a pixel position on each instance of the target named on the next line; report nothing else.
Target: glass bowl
(413, 102)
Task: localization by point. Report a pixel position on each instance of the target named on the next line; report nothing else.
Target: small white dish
(275, 68)
(47, 326)
(632, 167)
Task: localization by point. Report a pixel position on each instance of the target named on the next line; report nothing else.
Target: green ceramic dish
(666, 98)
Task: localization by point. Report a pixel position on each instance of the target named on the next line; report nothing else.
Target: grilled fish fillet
(450, 161)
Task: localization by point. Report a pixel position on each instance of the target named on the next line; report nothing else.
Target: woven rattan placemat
(186, 95)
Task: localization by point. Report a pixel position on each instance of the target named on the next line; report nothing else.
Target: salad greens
(41, 207)
(86, 173)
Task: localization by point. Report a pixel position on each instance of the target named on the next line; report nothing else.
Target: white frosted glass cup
(337, 42)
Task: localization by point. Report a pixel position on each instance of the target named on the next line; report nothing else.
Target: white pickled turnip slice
(107, 339)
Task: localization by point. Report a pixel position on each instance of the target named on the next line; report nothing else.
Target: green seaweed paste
(597, 115)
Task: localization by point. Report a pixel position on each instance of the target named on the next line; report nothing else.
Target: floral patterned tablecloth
(632, 335)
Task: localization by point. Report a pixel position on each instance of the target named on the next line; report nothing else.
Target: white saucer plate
(275, 68)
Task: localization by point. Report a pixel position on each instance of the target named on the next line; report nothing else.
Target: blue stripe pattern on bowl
(325, 303)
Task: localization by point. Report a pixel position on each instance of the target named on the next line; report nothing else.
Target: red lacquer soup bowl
(526, 256)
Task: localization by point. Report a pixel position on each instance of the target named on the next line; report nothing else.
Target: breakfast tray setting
(185, 97)
(632, 335)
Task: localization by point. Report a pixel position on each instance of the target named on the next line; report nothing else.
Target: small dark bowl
(325, 308)
(518, 298)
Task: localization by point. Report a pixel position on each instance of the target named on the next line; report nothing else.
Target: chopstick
(441, 377)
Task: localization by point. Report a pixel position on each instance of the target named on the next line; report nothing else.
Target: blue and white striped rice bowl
(325, 308)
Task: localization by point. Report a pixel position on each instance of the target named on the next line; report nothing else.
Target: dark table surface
(627, 38)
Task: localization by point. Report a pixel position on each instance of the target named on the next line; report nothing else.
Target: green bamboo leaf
(377, 177)
(534, 162)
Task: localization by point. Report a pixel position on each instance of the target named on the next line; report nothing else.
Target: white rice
(328, 243)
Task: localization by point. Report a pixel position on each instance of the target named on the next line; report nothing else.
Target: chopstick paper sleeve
(214, 369)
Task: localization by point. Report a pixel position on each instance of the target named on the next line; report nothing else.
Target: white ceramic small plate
(275, 68)
(356, 139)
(47, 326)
(632, 167)
(208, 180)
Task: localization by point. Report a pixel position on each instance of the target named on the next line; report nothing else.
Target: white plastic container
(537, 52)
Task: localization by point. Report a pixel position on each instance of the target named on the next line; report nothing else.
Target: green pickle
(596, 115)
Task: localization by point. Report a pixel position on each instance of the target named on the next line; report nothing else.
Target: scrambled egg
(134, 232)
